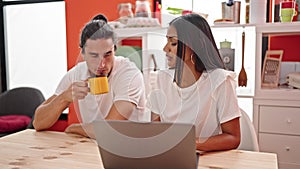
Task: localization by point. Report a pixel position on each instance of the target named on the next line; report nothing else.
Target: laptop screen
(128, 145)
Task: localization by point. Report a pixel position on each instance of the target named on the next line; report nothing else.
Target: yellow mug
(98, 85)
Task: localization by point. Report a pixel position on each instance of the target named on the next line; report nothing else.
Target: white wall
(35, 36)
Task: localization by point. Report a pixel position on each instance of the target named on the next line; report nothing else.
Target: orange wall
(78, 12)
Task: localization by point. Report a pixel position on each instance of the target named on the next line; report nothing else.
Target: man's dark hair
(97, 28)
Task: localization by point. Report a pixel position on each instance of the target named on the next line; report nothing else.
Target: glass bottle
(142, 8)
(247, 11)
(125, 11)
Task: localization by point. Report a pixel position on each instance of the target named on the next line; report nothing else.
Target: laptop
(133, 145)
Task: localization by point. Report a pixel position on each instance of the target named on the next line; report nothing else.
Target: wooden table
(43, 150)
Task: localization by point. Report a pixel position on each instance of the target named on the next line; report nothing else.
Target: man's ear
(82, 55)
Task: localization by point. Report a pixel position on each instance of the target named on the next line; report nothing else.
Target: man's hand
(77, 91)
(85, 130)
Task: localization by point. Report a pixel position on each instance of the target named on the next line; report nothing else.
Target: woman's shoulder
(165, 77)
(169, 73)
(221, 74)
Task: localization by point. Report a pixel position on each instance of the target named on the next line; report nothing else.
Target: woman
(201, 91)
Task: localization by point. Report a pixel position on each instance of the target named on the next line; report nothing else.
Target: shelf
(276, 110)
(278, 27)
(139, 31)
(231, 25)
(274, 29)
(278, 94)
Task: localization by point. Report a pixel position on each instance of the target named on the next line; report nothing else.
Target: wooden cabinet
(287, 120)
(286, 147)
(279, 131)
(276, 115)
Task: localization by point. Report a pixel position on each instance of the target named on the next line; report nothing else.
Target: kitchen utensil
(225, 44)
(142, 9)
(242, 75)
(154, 62)
(229, 3)
(271, 68)
(231, 10)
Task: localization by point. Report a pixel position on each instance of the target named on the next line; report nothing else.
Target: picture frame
(271, 68)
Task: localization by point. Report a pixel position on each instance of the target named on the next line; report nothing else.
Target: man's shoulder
(79, 65)
(124, 65)
(121, 60)
(79, 70)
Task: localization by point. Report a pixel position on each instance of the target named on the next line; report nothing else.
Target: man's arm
(85, 130)
(49, 111)
(120, 110)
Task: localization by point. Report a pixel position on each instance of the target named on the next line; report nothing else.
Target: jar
(125, 10)
(142, 8)
(225, 44)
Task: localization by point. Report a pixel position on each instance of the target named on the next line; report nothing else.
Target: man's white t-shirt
(207, 104)
(125, 83)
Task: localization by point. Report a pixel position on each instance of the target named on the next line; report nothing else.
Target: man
(125, 99)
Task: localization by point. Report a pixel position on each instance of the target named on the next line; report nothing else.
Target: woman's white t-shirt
(207, 104)
(125, 83)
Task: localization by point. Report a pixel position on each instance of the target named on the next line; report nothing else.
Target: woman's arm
(155, 117)
(229, 139)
